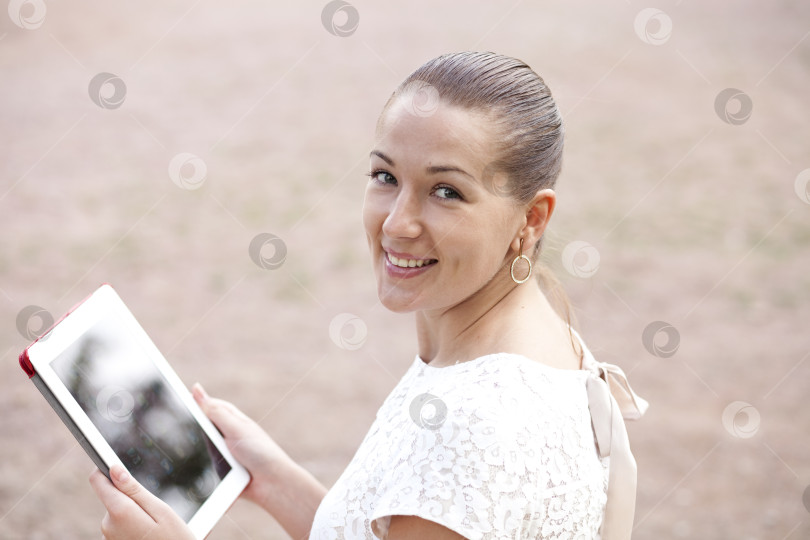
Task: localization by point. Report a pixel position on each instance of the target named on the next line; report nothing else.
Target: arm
(416, 528)
(278, 484)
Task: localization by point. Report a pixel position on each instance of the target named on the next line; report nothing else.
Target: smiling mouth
(409, 263)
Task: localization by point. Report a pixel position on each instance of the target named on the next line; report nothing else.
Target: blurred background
(208, 160)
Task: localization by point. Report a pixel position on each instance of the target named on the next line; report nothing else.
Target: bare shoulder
(562, 350)
(416, 528)
(552, 344)
(536, 330)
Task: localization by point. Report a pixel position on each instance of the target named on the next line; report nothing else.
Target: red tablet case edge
(25, 361)
(28, 367)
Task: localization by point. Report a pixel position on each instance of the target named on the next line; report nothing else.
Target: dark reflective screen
(136, 411)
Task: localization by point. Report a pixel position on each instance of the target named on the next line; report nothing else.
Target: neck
(489, 321)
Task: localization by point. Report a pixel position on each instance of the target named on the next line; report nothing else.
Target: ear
(538, 214)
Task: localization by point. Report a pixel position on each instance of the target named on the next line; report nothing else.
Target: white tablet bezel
(105, 302)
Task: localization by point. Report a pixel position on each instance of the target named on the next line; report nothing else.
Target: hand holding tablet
(125, 405)
(133, 512)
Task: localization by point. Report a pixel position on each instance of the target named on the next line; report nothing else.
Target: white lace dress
(496, 447)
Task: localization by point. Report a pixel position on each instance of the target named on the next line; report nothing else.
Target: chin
(392, 302)
(394, 306)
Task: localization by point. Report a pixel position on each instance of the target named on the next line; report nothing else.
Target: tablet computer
(122, 401)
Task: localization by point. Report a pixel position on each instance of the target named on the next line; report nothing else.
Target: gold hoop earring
(512, 269)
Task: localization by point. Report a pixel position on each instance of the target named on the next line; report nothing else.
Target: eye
(383, 177)
(446, 192)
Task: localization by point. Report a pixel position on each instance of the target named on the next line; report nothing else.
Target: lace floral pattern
(497, 447)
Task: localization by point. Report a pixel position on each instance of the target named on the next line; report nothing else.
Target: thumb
(230, 421)
(201, 397)
(130, 487)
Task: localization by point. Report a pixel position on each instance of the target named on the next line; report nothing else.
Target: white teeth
(408, 263)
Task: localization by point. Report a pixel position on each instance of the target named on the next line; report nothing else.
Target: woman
(503, 427)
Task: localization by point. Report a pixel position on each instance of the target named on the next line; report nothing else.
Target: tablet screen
(143, 420)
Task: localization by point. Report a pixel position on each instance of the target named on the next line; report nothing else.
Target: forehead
(446, 134)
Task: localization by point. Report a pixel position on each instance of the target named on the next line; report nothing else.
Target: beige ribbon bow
(610, 399)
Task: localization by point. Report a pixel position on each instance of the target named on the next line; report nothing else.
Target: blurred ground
(696, 222)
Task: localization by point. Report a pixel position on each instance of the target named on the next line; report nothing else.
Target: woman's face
(437, 233)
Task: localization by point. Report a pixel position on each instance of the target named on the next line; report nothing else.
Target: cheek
(373, 215)
(486, 241)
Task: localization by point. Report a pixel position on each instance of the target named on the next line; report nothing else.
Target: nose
(404, 216)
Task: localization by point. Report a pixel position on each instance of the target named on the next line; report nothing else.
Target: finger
(207, 403)
(113, 500)
(130, 487)
(200, 395)
(225, 415)
(106, 525)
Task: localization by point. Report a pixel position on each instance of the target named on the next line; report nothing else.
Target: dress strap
(610, 400)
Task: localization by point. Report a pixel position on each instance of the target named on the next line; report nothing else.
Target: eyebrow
(433, 169)
(382, 157)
